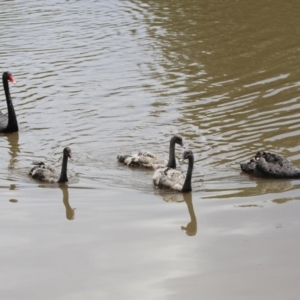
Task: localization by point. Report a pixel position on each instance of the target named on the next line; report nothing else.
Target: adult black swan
(271, 165)
(51, 174)
(8, 123)
(151, 160)
(168, 178)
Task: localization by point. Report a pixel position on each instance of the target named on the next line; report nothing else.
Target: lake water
(115, 77)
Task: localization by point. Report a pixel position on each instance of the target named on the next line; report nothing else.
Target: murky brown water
(111, 77)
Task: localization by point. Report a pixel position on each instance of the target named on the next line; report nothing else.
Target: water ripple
(111, 77)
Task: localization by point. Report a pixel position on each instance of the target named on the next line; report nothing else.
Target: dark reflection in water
(13, 200)
(70, 212)
(14, 148)
(275, 186)
(249, 205)
(254, 187)
(191, 228)
(12, 187)
(266, 186)
(285, 200)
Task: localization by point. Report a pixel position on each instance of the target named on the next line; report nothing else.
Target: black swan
(8, 123)
(151, 160)
(173, 179)
(271, 165)
(50, 174)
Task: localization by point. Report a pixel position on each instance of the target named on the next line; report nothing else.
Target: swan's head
(67, 152)
(187, 154)
(8, 76)
(178, 140)
(258, 156)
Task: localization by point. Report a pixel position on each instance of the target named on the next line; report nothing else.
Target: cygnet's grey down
(167, 178)
(50, 174)
(151, 160)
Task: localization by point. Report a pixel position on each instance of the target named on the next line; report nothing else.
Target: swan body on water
(151, 160)
(8, 123)
(167, 178)
(50, 174)
(271, 165)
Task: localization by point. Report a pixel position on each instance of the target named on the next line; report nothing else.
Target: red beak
(11, 79)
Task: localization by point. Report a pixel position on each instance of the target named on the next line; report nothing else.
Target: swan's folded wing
(45, 173)
(146, 161)
(147, 153)
(122, 158)
(277, 159)
(249, 167)
(42, 165)
(40, 173)
(276, 170)
(169, 178)
(129, 160)
(33, 170)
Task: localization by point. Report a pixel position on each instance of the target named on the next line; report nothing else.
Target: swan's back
(151, 160)
(143, 159)
(284, 169)
(44, 173)
(168, 178)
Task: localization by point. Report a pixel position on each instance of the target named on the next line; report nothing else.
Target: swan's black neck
(172, 160)
(63, 174)
(12, 125)
(187, 186)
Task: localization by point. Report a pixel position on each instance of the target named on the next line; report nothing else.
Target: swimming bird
(168, 178)
(50, 174)
(151, 160)
(270, 165)
(8, 123)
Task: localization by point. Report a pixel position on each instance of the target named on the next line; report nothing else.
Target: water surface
(108, 78)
